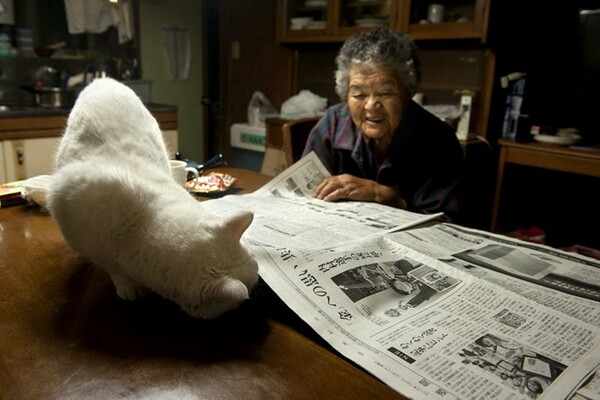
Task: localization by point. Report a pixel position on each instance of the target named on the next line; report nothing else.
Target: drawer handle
(20, 156)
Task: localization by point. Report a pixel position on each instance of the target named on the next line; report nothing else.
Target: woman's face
(376, 101)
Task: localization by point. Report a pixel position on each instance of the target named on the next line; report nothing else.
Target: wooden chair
(478, 183)
(284, 143)
(294, 134)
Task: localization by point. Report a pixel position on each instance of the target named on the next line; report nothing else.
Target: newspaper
(434, 310)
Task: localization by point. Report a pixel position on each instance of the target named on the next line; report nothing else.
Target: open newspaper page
(430, 330)
(286, 214)
(300, 180)
(406, 305)
(563, 281)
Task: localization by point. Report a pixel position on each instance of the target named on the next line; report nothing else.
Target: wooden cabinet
(334, 20)
(25, 158)
(2, 169)
(463, 19)
(455, 57)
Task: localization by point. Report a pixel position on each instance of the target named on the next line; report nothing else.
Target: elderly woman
(379, 145)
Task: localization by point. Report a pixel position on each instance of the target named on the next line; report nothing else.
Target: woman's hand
(349, 187)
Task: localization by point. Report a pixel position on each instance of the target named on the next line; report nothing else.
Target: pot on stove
(52, 97)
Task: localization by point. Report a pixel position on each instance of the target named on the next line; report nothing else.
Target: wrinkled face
(376, 101)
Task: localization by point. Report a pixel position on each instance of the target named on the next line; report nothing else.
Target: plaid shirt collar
(348, 137)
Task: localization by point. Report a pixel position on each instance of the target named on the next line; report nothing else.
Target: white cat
(118, 206)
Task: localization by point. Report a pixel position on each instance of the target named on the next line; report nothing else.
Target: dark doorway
(211, 99)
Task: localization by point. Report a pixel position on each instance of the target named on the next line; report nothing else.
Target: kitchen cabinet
(24, 158)
(463, 19)
(331, 20)
(2, 169)
(28, 145)
(171, 141)
(335, 20)
(456, 60)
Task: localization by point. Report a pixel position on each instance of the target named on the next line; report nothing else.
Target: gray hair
(379, 48)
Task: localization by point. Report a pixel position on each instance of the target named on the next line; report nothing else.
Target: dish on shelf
(315, 3)
(561, 139)
(316, 25)
(371, 22)
(300, 22)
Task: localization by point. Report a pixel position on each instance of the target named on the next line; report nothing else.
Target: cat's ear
(236, 224)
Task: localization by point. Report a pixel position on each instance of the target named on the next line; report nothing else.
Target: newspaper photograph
(563, 281)
(434, 310)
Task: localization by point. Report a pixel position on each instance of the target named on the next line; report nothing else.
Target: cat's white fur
(118, 206)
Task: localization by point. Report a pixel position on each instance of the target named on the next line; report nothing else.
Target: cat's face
(230, 275)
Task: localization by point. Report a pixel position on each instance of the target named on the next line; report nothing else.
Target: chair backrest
(478, 183)
(294, 134)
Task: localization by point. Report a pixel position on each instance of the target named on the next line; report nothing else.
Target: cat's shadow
(94, 317)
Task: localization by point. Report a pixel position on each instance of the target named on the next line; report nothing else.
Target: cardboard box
(248, 137)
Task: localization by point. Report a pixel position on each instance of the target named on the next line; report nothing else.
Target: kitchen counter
(24, 122)
(36, 111)
(28, 111)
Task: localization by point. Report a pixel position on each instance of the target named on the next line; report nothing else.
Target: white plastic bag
(303, 105)
(259, 109)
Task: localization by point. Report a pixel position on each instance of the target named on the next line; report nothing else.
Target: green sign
(253, 139)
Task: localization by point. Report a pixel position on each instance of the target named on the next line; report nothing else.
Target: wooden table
(546, 156)
(65, 334)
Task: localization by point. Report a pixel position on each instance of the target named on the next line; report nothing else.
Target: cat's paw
(128, 289)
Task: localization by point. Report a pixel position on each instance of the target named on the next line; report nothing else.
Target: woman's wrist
(385, 195)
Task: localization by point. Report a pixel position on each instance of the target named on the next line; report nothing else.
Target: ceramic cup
(436, 13)
(179, 171)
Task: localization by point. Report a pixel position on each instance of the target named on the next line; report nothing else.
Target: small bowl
(44, 52)
(300, 22)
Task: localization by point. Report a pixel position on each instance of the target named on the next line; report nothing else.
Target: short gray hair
(379, 48)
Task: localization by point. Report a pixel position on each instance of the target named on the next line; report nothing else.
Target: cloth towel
(96, 16)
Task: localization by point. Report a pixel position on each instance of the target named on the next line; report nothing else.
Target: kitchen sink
(4, 108)
(9, 110)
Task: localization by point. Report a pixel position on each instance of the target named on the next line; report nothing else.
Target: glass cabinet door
(335, 20)
(305, 18)
(448, 19)
(355, 14)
